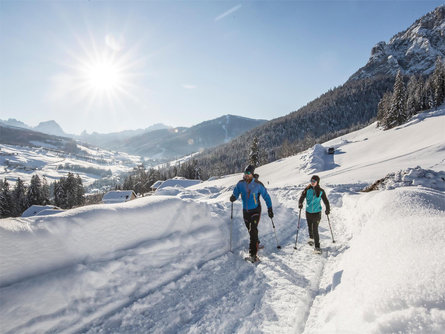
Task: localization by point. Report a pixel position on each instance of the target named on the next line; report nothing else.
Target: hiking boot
(317, 250)
(252, 259)
(310, 242)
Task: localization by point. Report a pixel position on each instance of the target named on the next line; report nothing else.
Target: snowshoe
(252, 259)
(317, 250)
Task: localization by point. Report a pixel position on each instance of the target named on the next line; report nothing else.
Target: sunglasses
(313, 181)
(247, 173)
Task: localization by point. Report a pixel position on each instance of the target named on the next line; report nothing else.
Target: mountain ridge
(181, 141)
(412, 51)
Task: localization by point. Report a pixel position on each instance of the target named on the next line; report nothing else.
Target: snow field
(161, 264)
(26, 161)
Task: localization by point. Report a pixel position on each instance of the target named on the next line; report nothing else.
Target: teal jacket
(313, 204)
(250, 194)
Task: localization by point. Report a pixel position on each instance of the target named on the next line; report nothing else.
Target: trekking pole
(298, 229)
(231, 224)
(329, 222)
(273, 225)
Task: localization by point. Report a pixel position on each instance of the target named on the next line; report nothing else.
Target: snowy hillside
(161, 264)
(53, 163)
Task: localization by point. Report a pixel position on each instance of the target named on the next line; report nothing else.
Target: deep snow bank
(411, 177)
(316, 159)
(392, 277)
(40, 244)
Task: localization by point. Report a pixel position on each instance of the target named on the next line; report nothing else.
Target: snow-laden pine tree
(254, 154)
(80, 191)
(6, 203)
(397, 111)
(59, 193)
(34, 195)
(383, 108)
(46, 194)
(71, 191)
(19, 198)
(438, 82)
(412, 100)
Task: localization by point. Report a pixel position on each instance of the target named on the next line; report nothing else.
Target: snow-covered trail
(181, 282)
(228, 295)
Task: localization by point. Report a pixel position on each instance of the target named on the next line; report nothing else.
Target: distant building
(41, 210)
(118, 196)
(156, 185)
(179, 182)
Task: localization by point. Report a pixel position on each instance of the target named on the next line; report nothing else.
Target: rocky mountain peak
(413, 51)
(50, 127)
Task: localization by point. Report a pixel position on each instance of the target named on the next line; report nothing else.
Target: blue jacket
(313, 204)
(250, 194)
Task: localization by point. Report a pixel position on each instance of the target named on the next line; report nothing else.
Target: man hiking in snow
(313, 194)
(251, 189)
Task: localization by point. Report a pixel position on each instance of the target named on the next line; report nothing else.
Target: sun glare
(103, 76)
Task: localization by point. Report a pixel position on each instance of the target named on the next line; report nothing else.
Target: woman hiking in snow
(251, 189)
(313, 194)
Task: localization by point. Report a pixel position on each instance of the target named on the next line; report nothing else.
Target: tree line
(66, 193)
(141, 179)
(405, 100)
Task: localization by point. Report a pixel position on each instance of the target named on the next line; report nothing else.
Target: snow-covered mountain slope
(161, 264)
(413, 51)
(51, 127)
(53, 163)
(167, 144)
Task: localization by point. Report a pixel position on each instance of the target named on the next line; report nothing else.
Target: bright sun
(103, 76)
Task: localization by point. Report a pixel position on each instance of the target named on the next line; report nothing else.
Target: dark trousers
(313, 219)
(252, 219)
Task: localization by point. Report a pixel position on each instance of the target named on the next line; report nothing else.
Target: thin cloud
(113, 43)
(230, 11)
(187, 86)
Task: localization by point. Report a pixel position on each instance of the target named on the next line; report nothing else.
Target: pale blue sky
(182, 62)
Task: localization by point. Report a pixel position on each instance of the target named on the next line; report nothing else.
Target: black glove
(327, 212)
(270, 212)
(232, 198)
(300, 206)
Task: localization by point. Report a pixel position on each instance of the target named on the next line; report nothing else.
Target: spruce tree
(34, 195)
(19, 198)
(383, 108)
(254, 154)
(438, 82)
(397, 111)
(80, 192)
(60, 193)
(71, 191)
(45, 192)
(6, 204)
(412, 100)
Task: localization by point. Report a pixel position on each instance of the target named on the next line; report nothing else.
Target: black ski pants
(313, 219)
(252, 219)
